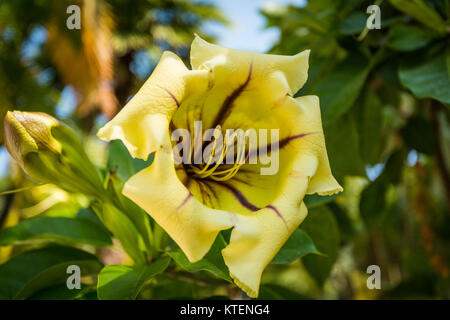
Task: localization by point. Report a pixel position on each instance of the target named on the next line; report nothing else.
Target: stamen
(215, 172)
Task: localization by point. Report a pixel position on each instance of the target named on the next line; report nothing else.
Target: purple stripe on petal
(228, 103)
(277, 212)
(238, 195)
(171, 96)
(185, 201)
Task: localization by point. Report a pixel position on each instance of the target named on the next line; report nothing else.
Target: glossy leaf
(297, 246)
(343, 140)
(370, 126)
(121, 162)
(212, 262)
(61, 292)
(422, 13)
(373, 201)
(340, 89)
(315, 200)
(120, 282)
(276, 292)
(31, 271)
(322, 227)
(372, 205)
(408, 38)
(139, 218)
(122, 166)
(64, 230)
(427, 77)
(353, 24)
(124, 230)
(418, 135)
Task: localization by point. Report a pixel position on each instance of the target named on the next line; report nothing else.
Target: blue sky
(247, 31)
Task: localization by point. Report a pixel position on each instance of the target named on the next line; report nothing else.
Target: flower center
(218, 159)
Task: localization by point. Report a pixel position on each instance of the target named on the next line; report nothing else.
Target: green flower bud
(27, 132)
(50, 152)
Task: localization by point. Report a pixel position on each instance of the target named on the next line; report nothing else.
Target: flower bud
(50, 152)
(27, 132)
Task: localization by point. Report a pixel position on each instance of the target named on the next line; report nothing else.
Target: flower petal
(226, 62)
(189, 223)
(257, 238)
(143, 122)
(322, 182)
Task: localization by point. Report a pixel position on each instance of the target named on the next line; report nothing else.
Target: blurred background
(385, 96)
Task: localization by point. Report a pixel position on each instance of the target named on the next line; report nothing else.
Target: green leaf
(122, 166)
(392, 172)
(120, 282)
(418, 135)
(64, 230)
(168, 288)
(447, 58)
(346, 225)
(316, 200)
(353, 24)
(120, 161)
(343, 140)
(298, 245)
(61, 292)
(408, 38)
(370, 127)
(89, 214)
(138, 217)
(322, 227)
(372, 204)
(31, 271)
(212, 262)
(422, 13)
(276, 292)
(341, 87)
(124, 230)
(427, 77)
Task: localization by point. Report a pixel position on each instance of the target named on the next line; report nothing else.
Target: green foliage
(321, 226)
(420, 11)
(342, 138)
(119, 282)
(384, 101)
(274, 292)
(59, 229)
(373, 198)
(418, 135)
(427, 76)
(212, 262)
(370, 121)
(408, 38)
(298, 245)
(34, 270)
(342, 86)
(60, 292)
(121, 167)
(124, 230)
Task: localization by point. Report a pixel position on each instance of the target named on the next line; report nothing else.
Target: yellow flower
(226, 89)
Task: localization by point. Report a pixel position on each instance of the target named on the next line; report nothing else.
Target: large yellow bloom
(226, 89)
